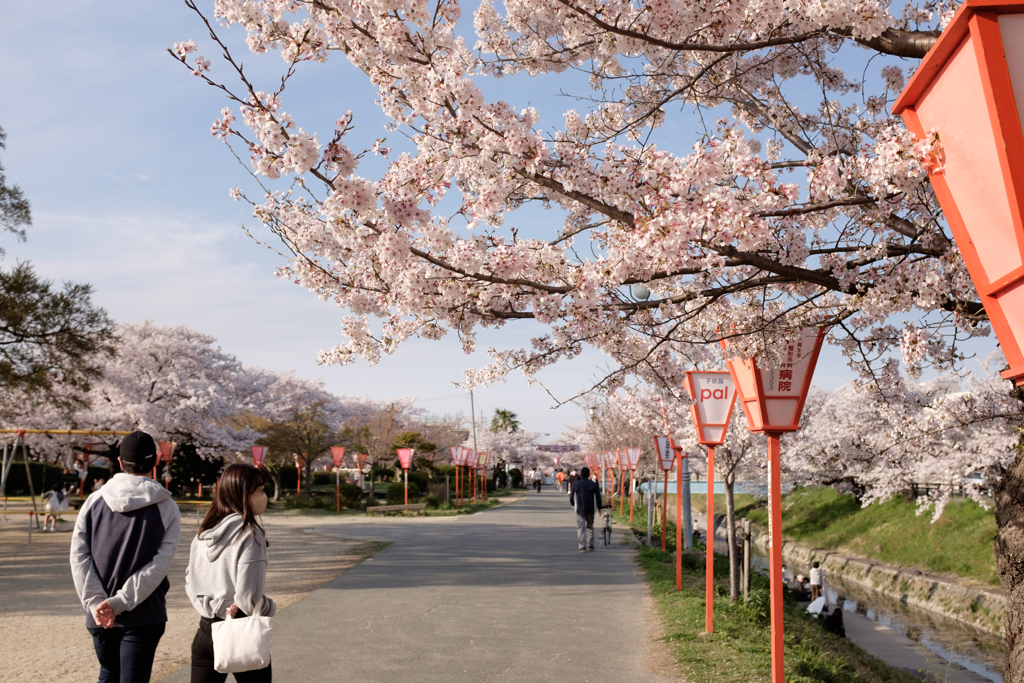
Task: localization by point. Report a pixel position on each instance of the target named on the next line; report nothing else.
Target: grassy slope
(739, 649)
(960, 542)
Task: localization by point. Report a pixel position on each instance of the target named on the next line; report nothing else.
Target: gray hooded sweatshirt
(228, 566)
(125, 537)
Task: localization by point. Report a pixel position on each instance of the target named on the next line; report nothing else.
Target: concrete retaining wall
(977, 607)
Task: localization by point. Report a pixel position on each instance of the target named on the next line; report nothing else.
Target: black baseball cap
(138, 448)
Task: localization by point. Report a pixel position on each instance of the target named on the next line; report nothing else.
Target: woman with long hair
(227, 567)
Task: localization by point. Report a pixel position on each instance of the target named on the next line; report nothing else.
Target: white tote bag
(241, 644)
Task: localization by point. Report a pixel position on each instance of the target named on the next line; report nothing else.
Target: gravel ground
(43, 627)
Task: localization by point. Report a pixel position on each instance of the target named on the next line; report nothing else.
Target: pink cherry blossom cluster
(785, 211)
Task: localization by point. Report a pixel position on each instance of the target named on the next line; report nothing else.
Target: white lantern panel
(955, 106)
(788, 378)
(1011, 26)
(781, 411)
(715, 434)
(665, 454)
(713, 395)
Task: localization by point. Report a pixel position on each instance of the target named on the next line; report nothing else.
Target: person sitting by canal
(585, 498)
(800, 589)
(833, 623)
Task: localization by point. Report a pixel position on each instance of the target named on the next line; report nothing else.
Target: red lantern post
(679, 513)
(773, 400)
(165, 451)
(482, 459)
(966, 89)
(338, 455)
(300, 462)
(456, 452)
(667, 460)
(713, 397)
(259, 454)
(405, 458)
(361, 459)
(632, 459)
(621, 464)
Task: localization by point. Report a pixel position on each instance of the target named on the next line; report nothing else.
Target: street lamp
(969, 88)
(713, 398)
(773, 399)
(338, 456)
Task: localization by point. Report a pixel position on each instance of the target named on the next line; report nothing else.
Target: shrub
(515, 476)
(350, 495)
(432, 502)
(421, 479)
(382, 473)
(322, 478)
(303, 503)
(396, 494)
(445, 469)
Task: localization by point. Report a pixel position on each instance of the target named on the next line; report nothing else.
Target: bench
(397, 508)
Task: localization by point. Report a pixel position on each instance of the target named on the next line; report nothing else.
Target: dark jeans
(202, 660)
(126, 654)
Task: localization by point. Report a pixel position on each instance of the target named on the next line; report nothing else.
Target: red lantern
(969, 89)
(338, 455)
(405, 458)
(713, 398)
(773, 400)
(259, 454)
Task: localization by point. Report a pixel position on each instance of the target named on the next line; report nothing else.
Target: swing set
(19, 440)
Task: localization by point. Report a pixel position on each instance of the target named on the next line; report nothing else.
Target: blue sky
(109, 138)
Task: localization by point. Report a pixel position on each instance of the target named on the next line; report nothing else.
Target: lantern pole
(679, 516)
(664, 511)
(630, 494)
(709, 569)
(622, 481)
(337, 489)
(405, 475)
(775, 556)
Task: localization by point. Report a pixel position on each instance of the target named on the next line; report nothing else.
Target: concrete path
(502, 595)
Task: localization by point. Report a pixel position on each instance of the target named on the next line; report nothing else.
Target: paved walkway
(502, 595)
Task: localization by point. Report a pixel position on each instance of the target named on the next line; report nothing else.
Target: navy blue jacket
(585, 496)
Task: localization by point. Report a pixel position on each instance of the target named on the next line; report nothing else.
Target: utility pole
(472, 417)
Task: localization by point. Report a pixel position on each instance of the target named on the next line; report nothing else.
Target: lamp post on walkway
(773, 400)
(713, 400)
(338, 456)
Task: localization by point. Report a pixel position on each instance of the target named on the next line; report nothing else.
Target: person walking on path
(560, 478)
(227, 568)
(54, 503)
(124, 540)
(538, 479)
(816, 576)
(585, 498)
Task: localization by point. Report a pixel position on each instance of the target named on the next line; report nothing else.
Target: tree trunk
(1009, 549)
(275, 476)
(730, 524)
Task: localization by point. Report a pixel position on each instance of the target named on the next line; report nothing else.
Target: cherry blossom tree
(176, 384)
(788, 209)
(293, 416)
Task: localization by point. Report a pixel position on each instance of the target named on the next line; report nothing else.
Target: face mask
(258, 502)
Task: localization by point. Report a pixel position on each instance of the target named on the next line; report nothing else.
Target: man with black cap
(124, 540)
(585, 497)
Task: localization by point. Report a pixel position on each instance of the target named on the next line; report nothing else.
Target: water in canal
(979, 651)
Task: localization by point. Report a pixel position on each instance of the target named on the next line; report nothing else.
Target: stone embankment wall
(978, 607)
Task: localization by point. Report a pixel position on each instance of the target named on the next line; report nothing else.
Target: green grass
(959, 543)
(739, 649)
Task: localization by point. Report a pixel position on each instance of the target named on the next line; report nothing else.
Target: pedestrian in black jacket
(585, 498)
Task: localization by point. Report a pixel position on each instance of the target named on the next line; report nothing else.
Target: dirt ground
(42, 626)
